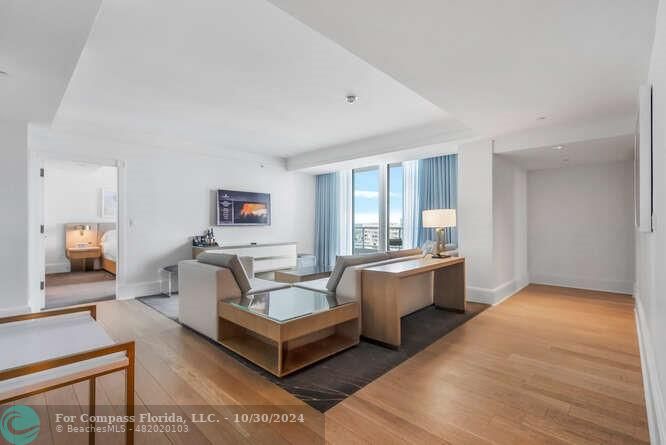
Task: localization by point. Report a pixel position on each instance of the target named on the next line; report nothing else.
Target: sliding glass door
(395, 188)
(366, 211)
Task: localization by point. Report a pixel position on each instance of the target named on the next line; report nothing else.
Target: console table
(267, 257)
(384, 285)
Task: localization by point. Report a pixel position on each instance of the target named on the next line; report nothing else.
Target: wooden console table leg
(381, 319)
(449, 291)
(92, 409)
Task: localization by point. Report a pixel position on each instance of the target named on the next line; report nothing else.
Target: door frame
(36, 240)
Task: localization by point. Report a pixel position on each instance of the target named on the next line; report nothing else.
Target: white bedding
(109, 243)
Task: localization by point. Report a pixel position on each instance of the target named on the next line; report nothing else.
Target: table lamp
(82, 228)
(439, 219)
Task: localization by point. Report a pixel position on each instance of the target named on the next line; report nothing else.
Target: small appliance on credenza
(235, 208)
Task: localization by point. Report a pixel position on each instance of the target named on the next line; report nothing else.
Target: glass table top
(285, 304)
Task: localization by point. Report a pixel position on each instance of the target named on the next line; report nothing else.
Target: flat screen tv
(236, 208)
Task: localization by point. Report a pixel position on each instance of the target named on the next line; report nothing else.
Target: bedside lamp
(439, 219)
(82, 228)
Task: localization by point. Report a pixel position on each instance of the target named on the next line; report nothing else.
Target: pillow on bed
(109, 236)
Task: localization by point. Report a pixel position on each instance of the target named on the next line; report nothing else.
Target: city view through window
(367, 196)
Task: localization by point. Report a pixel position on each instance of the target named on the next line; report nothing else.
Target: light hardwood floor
(550, 365)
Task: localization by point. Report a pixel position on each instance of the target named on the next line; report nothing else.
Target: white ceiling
(248, 77)
(40, 43)
(619, 148)
(499, 65)
(237, 75)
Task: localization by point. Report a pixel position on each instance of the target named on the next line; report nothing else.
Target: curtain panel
(437, 189)
(327, 203)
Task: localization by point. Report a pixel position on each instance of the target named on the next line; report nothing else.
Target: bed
(109, 243)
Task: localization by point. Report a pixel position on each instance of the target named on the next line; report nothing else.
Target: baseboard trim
(620, 287)
(57, 267)
(133, 290)
(16, 310)
(654, 400)
(493, 296)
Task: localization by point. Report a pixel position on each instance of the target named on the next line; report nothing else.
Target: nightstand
(83, 254)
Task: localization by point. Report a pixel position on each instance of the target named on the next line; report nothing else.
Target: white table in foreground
(49, 350)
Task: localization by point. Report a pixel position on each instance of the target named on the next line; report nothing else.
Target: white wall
(14, 220)
(491, 224)
(169, 198)
(475, 217)
(509, 227)
(650, 290)
(520, 269)
(503, 220)
(580, 226)
(71, 195)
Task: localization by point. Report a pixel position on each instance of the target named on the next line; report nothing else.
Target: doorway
(80, 232)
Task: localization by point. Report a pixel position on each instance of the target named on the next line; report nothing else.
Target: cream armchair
(207, 280)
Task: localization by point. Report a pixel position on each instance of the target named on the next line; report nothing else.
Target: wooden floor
(550, 365)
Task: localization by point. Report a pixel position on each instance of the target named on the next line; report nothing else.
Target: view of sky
(366, 196)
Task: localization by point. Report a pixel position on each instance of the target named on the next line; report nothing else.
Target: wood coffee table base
(282, 348)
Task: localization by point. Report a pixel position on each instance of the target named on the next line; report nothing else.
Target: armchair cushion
(231, 262)
(342, 262)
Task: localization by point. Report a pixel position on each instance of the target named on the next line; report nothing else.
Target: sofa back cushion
(350, 283)
(231, 262)
(344, 261)
(405, 252)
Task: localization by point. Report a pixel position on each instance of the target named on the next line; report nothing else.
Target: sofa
(345, 280)
(212, 277)
(216, 276)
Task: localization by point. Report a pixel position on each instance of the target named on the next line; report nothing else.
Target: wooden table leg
(129, 397)
(380, 315)
(449, 291)
(92, 409)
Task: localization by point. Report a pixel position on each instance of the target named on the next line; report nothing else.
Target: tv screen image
(243, 208)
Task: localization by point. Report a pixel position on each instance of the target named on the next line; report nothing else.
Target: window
(366, 211)
(394, 207)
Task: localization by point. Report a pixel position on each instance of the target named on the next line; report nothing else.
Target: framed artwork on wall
(108, 203)
(643, 157)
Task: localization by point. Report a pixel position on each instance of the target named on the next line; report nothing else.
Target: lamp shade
(438, 218)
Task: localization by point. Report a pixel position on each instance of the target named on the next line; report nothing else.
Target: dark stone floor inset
(328, 382)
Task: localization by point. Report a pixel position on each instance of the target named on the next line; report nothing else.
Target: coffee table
(302, 274)
(285, 330)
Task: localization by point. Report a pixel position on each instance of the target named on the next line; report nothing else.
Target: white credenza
(267, 257)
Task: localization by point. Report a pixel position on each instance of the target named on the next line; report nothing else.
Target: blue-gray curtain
(437, 188)
(326, 218)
